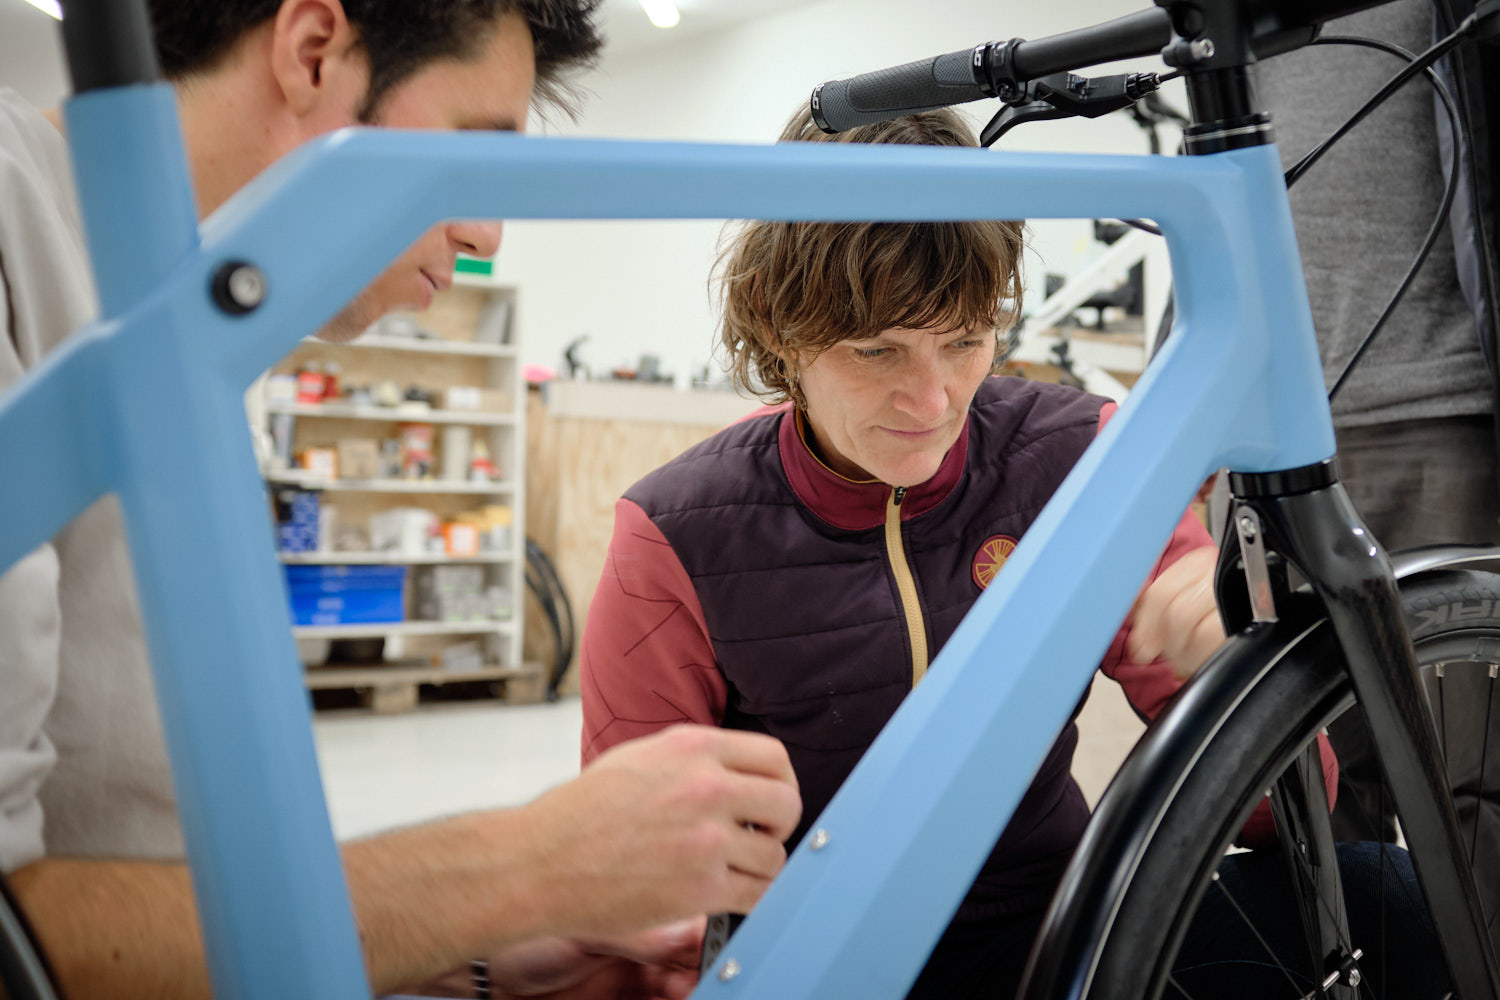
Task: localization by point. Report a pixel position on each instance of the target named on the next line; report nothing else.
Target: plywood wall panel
(577, 469)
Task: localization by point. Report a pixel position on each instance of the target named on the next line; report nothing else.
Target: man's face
(889, 407)
(489, 91)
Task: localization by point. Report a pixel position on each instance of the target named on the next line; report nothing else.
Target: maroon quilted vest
(805, 616)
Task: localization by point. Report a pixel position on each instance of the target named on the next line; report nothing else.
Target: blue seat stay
(1239, 384)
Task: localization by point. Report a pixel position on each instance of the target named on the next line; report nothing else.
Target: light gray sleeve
(30, 628)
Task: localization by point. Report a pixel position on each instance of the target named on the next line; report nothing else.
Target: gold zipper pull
(906, 584)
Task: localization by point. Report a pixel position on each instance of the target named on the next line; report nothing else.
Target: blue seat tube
(274, 911)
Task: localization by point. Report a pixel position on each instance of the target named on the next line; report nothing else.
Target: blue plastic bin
(346, 595)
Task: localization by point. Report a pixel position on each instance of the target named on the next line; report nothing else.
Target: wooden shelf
(310, 482)
(344, 677)
(390, 559)
(392, 415)
(408, 628)
(422, 345)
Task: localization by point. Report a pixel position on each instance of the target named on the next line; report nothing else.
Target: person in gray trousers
(1415, 420)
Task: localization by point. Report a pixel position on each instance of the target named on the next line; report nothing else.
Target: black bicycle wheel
(1202, 919)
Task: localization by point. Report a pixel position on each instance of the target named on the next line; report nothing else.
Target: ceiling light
(663, 13)
(47, 7)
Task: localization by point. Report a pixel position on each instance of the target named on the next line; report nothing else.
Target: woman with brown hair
(795, 573)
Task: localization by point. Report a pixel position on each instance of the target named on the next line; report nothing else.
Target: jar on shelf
(310, 383)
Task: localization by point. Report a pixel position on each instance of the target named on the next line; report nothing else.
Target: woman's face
(891, 406)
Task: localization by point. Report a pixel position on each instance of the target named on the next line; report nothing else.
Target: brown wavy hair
(792, 290)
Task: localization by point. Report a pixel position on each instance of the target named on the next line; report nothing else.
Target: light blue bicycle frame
(147, 404)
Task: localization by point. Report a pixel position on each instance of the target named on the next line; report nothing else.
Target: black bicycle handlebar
(994, 69)
(1143, 33)
(109, 44)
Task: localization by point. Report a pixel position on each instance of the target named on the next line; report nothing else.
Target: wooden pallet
(396, 688)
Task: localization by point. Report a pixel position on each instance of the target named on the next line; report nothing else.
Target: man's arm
(689, 821)
(30, 637)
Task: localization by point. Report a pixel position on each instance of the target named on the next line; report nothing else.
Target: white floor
(385, 771)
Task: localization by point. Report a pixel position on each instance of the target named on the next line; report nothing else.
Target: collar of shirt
(858, 505)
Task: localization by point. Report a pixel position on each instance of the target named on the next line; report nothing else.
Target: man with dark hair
(397, 39)
(689, 822)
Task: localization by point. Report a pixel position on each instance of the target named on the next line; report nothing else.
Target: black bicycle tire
(1278, 717)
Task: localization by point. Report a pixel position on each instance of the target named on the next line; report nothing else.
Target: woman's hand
(1176, 618)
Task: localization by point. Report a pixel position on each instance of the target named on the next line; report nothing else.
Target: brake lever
(1018, 114)
(1067, 95)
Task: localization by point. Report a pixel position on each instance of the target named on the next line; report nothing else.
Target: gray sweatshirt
(83, 767)
(1361, 215)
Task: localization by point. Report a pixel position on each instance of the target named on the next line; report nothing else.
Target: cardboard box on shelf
(359, 458)
(457, 593)
(477, 399)
(323, 462)
(460, 539)
(492, 523)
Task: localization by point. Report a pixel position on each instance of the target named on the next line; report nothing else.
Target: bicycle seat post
(128, 158)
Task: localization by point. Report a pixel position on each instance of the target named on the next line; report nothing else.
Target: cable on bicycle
(1143, 226)
(545, 584)
(1415, 64)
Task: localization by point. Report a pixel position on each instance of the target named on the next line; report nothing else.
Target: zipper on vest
(906, 584)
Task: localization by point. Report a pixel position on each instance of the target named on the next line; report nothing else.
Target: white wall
(642, 287)
(31, 59)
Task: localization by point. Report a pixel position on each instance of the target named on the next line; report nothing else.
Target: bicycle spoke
(1344, 942)
(1385, 853)
(1172, 980)
(1255, 931)
(1441, 670)
(1484, 759)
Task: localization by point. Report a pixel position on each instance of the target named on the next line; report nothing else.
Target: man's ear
(317, 63)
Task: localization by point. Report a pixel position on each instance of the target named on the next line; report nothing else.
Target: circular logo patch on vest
(990, 557)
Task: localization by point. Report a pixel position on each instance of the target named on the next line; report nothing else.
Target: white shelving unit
(433, 345)
(472, 344)
(385, 414)
(404, 629)
(388, 559)
(308, 481)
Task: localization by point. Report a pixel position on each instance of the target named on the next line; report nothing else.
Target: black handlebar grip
(955, 78)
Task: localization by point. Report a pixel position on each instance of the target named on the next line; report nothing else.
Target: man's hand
(688, 821)
(1175, 617)
(658, 963)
